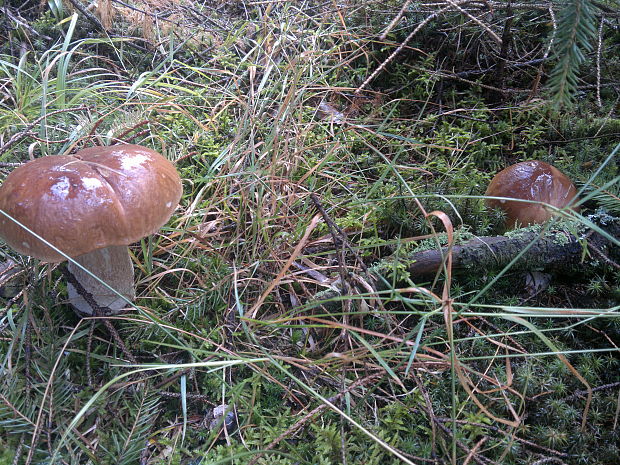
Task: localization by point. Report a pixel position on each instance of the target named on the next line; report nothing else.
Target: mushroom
(535, 181)
(90, 205)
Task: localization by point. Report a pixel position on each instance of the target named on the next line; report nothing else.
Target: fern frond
(574, 37)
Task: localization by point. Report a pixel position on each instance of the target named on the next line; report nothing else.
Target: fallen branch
(571, 246)
(531, 249)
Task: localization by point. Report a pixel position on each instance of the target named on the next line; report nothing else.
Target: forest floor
(321, 145)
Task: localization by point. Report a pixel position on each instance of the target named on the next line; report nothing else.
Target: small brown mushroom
(90, 205)
(535, 181)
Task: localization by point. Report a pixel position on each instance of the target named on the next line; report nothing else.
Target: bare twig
(546, 460)
(503, 54)
(395, 20)
(452, 4)
(404, 43)
(88, 15)
(599, 48)
(337, 232)
(492, 33)
(18, 450)
(11, 165)
(340, 243)
(24, 23)
(581, 393)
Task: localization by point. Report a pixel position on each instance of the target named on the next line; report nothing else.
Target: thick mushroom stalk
(90, 205)
(113, 266)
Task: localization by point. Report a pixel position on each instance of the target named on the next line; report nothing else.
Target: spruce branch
(574, 38)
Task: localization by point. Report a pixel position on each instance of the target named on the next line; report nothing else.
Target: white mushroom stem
(113, 266)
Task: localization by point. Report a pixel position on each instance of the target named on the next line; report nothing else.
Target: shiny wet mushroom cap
(531, 180)
(99, 198)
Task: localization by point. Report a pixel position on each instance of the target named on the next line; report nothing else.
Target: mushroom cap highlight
(531, 180)
(99, 197)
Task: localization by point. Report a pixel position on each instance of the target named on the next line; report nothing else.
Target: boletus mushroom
(90, 205)
(535, 181)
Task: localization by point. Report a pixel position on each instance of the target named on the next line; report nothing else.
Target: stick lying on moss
(569, 246)
(563, 248)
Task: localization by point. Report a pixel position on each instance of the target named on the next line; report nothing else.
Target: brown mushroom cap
(530, 180)
(99, 197)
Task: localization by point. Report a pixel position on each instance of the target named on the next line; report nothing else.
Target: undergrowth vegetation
(318, 143)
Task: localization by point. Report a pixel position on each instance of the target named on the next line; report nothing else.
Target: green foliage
(6, 456)
(575, 33)
(127, 435)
